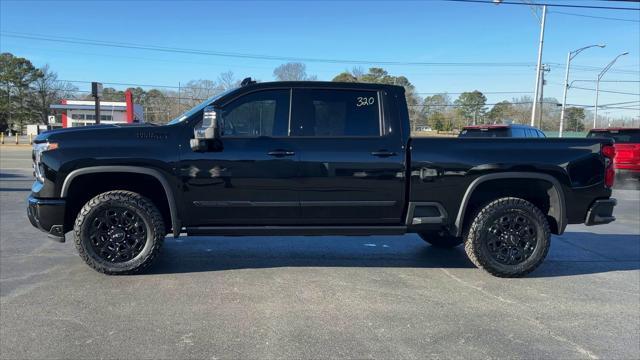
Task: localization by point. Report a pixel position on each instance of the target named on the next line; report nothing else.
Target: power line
(594, 17)
(546, 4)
(606, 91)
(81, 41)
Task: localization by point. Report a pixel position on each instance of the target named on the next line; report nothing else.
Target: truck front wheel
(119, 232)
(440, 239)
(509, 237)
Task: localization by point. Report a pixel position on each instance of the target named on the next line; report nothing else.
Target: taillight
(609, 153)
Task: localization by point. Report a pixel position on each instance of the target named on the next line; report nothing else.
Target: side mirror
(209, 130)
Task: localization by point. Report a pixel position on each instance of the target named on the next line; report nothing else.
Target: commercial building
(75, 113)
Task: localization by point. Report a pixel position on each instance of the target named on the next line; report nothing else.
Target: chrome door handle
(384, 153)
(281, 153)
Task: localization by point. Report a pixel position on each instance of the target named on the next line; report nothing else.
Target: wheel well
(84, 187)
(540, 193)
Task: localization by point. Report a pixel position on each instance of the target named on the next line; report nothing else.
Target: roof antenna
(247, 81)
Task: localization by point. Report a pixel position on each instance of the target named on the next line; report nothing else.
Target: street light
(606, 68)
(570, 57)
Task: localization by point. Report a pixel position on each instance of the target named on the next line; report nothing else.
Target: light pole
(606, 68)
(538, 65)
(570, 57)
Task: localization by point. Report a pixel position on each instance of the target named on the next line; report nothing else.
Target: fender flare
(173, 211)
(555, 184)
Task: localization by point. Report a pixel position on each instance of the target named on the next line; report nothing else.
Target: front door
(251, 180)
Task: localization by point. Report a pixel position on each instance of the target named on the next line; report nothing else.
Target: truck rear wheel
(509, 237)
(440, 239)
(119, 232)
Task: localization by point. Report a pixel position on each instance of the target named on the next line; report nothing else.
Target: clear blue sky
(423, 31)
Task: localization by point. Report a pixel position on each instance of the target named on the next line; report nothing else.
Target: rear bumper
(48, 216)
(601, 212)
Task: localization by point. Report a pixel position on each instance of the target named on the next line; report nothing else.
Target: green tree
(575, 117)
(500, 112)
(437, 121)
(471, 105)
(16, 77)
(345, 77)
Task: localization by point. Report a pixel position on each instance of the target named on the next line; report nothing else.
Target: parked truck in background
(313, 158)
(627, 145)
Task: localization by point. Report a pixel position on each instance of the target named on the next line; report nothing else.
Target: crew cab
(627, 145)
(312, 158)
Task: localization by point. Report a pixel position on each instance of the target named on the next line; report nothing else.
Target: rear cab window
(335, 113)
(485, 132)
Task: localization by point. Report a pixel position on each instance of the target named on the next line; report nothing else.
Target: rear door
(351, 164)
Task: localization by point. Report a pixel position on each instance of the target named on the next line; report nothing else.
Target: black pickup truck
(313, 158)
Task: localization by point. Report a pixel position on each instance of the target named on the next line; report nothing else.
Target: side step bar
(295, 230)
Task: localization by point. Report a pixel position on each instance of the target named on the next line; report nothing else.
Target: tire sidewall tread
(144, 208)
(474, 245)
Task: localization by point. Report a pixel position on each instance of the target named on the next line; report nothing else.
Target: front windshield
(199, 107)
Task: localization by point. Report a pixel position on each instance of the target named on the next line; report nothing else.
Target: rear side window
(329, 113)
(262, 113)
(491, 133)
(541, 134)
(518, 132)
(631, 136)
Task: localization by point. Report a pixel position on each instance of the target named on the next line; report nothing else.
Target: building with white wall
(75, 113)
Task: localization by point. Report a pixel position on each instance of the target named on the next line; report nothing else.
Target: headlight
(38, 149)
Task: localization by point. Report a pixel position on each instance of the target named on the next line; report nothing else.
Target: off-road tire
(476, 237)
(440, 240)
(135, 204)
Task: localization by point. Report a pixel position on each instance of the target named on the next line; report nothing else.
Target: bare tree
(227, 81)
(48, 90)
(292, 72)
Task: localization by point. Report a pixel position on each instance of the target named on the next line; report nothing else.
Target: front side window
(262, 113)
(329, 113)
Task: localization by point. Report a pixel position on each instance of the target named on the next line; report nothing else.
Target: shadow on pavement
(202, 254)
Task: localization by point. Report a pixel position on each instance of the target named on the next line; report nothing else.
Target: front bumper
(601, 212)
(48, 216)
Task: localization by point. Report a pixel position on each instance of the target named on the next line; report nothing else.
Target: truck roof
(307, 84)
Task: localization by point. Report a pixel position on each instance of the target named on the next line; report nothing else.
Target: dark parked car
(501, 130)
(312, 158)
(627, 146)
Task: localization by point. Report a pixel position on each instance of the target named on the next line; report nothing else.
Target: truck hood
(92, 131)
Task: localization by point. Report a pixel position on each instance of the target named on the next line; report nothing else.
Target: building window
(106, 117)
(77, 116)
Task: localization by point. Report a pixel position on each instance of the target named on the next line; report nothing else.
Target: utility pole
(570, 57)
(606, 68)
(539, 64)
(544, 69)
(96, 92)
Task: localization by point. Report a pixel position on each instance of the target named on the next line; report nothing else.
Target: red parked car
(627, 145)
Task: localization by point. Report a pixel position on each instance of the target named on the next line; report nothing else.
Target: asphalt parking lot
(315, 297)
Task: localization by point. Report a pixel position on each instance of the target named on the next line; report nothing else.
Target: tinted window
(518, 132)
(619, 136)
(318, 112)
(496, 132)
(262, 113)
